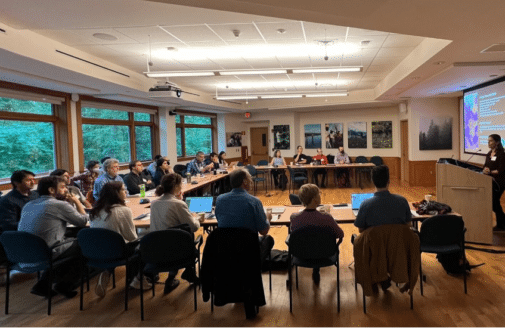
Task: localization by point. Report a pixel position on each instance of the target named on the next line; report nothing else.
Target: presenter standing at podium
(495, 167)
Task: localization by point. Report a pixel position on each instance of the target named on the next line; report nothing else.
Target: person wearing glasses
(111, 173)
(137, 177)
(11, 204)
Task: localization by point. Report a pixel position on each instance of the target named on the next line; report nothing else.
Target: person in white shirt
(170, 211)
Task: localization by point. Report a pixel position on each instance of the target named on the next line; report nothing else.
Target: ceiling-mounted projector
(165, 90)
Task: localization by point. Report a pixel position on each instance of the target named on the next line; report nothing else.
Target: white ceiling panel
(379, 68)
(289, 62)
(359, 32)
(99, 51)
(292, 30)
(88, 33)
(387, 60)
(169, 65)
(394, 52)
(237, 63)
(141, 34)
(315, 31)
(130, 49)
(376, 41)
(246, 32)
(400, 40)
(67, 37)
(195, 33)
(264, 63)
(202, 65)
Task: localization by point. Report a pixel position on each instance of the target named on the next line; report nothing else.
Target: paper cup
(428, 198)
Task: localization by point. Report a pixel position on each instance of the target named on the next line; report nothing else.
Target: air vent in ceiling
(91, 63)
(497, 47)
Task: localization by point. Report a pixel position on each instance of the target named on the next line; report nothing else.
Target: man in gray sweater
(47, 217)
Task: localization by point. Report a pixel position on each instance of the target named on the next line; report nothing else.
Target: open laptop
(357, 199)
(200, 205)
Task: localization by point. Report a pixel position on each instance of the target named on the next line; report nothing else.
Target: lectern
(467, 191)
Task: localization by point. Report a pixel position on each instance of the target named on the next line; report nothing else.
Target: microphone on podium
(478, 150)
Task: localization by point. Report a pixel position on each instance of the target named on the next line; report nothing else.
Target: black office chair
(23, 247)
(296, 177)
(104, 249)
(294, 199)
(312, 247)
(262, 163)
(240, 164)
(443, 234)
(377, 160)
(180, 169)
(254, 174)
(168, 250)
(331, 159)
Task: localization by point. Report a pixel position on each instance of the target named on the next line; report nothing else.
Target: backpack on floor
(279, 260)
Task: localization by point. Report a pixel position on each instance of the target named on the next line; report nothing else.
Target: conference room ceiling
(205, 39)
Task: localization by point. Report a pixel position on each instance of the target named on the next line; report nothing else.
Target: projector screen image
(483, 114)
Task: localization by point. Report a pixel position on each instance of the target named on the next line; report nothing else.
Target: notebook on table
(200, 205)
(357, 199)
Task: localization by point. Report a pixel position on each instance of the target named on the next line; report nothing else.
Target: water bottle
(142, 190)
(188, 177)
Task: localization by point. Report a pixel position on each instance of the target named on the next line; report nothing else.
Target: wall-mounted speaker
(403, 108)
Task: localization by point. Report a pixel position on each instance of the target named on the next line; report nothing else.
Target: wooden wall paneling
(422, 173)
(393, 163)
(80, 142)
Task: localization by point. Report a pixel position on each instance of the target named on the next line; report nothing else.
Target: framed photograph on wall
(356, 135)
(435, 133)
(281, 137)
(382, 134)
(334, 135)
(233, 139)
(312, 136)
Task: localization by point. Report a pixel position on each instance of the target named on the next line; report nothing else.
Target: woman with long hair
(162, 168)
(110, 212)
(169, 211)
(495, 167)
(277, 160)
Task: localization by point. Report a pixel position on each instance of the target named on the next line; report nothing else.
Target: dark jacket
(133, 181)
(10, 208)
(231, 267)
(497, 164)
(158, 176)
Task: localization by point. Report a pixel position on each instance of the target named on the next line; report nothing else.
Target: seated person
(323, 160)
(110, 212)
(11, 204)
(197, 165)
(310, 196)
(383, 207)
(87, 179)
(102, 169)
(342, 174)
(162, 168)
(277, 160)
(47, 217)
(137, 177)
(222, 161)
(213, 158)
(152, 167)
(71, 189)
(170, 211)
(239, 209)
(301, 158)
(111, 167)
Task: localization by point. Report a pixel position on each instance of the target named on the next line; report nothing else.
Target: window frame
(131, 123)
(63, 150)
(182, 125)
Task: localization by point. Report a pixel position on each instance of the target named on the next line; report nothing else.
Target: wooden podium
(468, 192)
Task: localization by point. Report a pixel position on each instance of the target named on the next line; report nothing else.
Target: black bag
(279, 260)
(283, 181)
(453, 263)
(431, 207)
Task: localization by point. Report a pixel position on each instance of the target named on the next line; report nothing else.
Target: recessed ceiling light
(171, 48)
(365, 42)
(105, 36)
(439, 63)
(281, 31)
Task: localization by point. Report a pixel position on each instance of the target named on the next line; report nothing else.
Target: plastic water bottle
(142, 190)
(188, 177)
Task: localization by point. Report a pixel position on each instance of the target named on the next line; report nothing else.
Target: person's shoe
(135, 284)
(250, 311)
(498, 229)
(375, 289)
(170, 285)
(43, 293)
(190, 277)
(385, 284)
(316, 277)
(68, 293)
(102, 283)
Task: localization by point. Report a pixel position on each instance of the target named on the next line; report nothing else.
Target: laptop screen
(199, 204)
(357, 199)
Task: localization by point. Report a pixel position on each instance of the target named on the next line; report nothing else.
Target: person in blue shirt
(197, 165)
(111, 169)
(239, 209)
(152, 167)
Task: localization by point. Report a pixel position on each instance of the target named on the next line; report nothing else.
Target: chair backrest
(377, 160)
(361, 159)
(312, 243)
(262, 162)
(24, 247)
(169, 245)
(294, 199)
(240, 164)
(331, 159)
(442, 230)
(252, 170)
(180, 169)
(101, 245)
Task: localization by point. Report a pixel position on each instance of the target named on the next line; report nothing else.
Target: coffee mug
(201, 217)
(428, 198)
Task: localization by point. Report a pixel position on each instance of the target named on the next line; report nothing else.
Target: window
(116, 133)
(194, 134)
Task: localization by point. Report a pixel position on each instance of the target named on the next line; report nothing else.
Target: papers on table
(414, 213)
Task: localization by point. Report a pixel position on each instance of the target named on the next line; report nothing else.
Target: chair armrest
(287, 240)
(340, 241)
